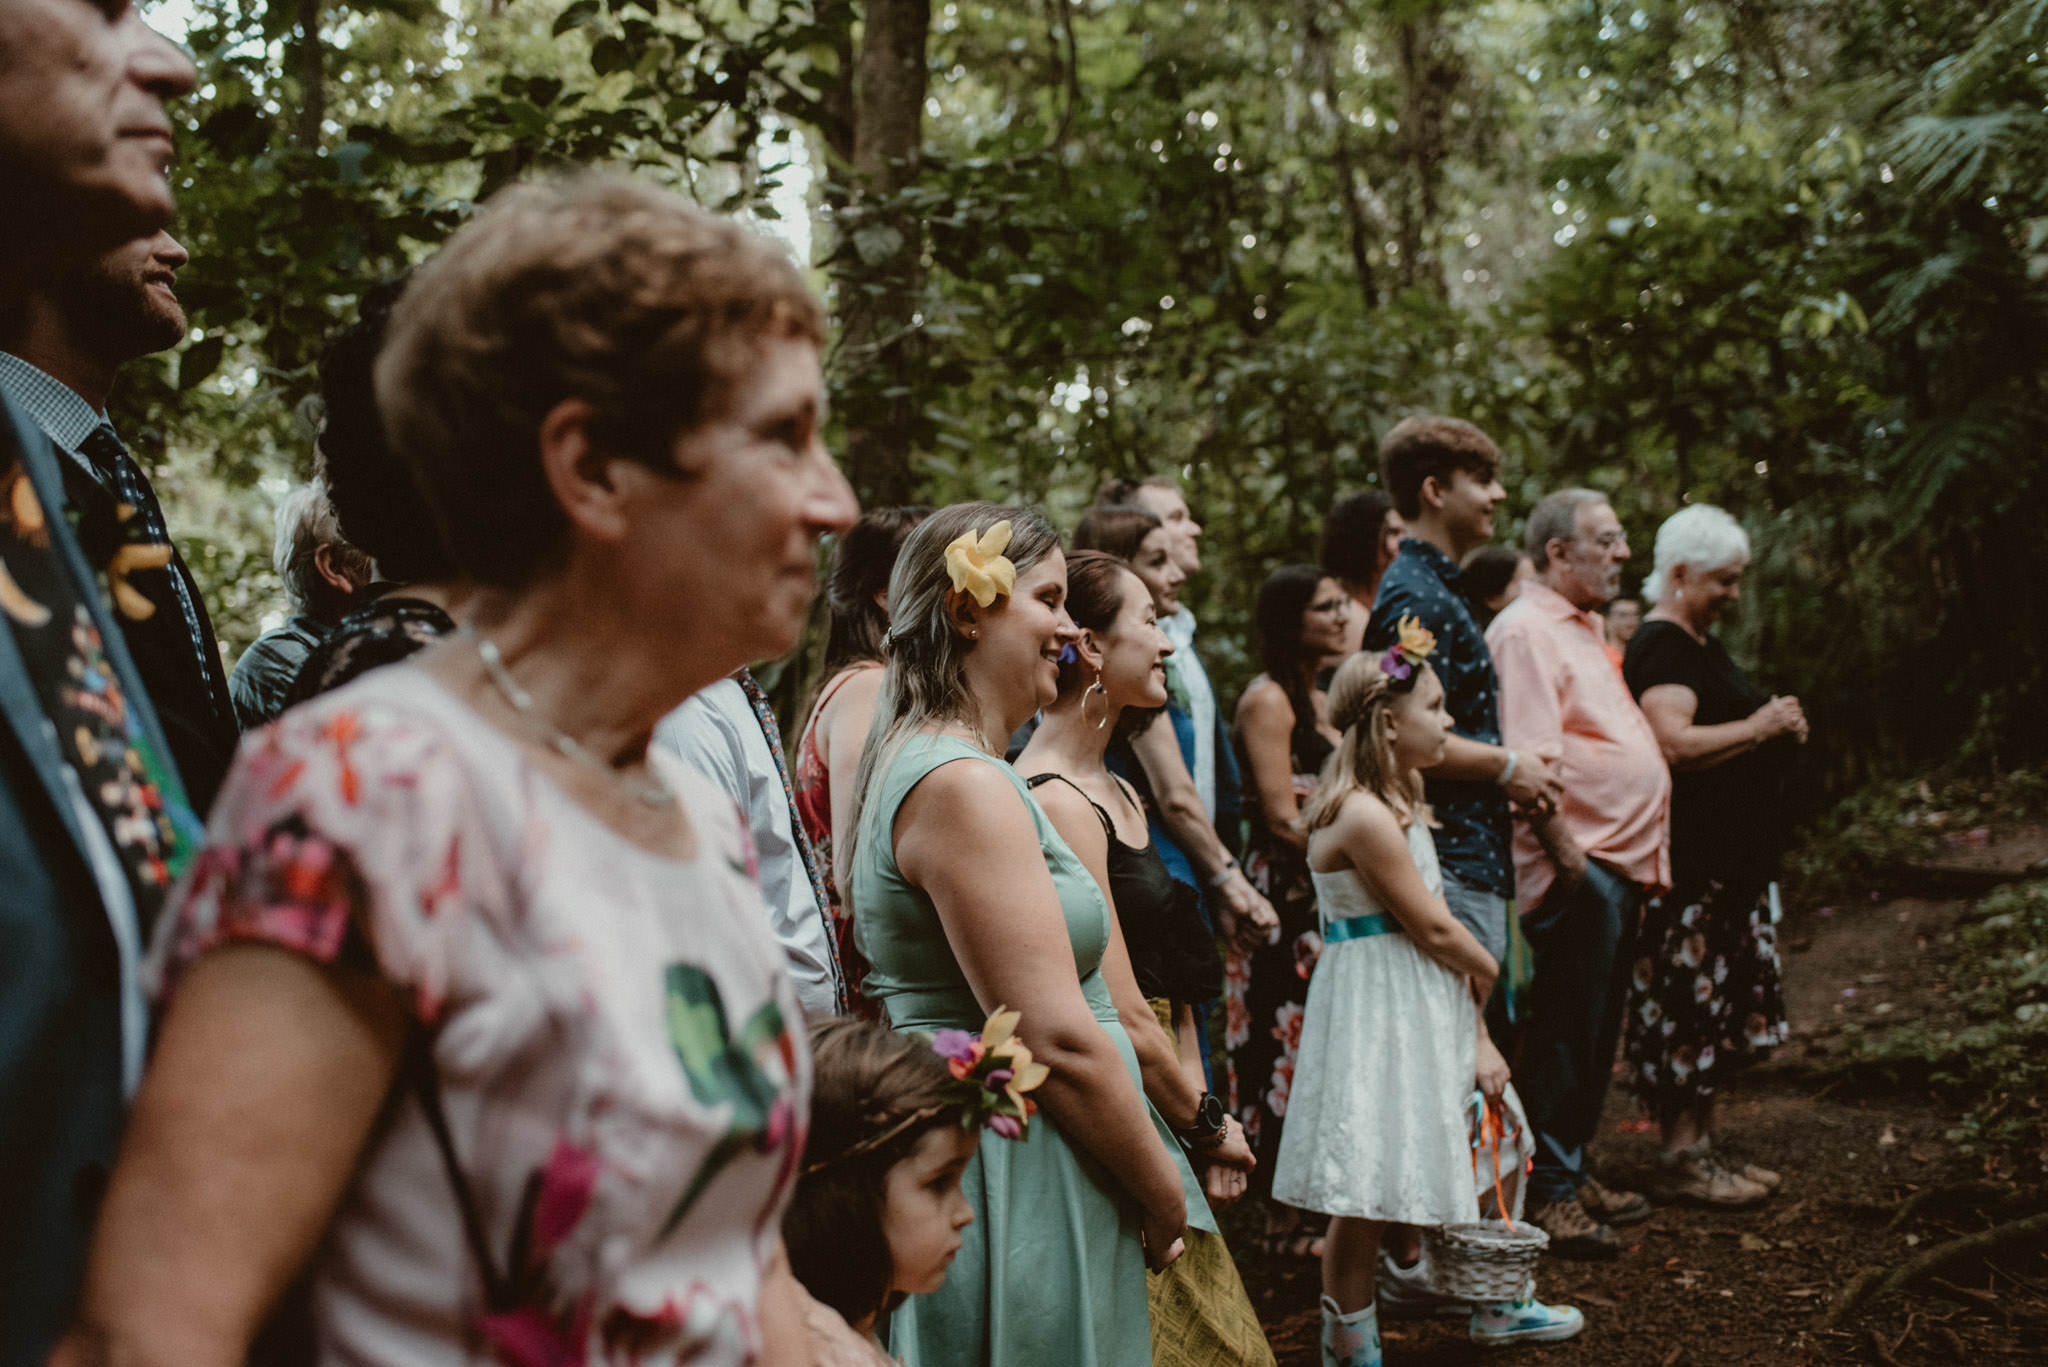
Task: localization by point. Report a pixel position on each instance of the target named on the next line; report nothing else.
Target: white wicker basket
(1485, 1260)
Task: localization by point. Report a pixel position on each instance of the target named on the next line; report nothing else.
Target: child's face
(1422, 729)
(924, 1210)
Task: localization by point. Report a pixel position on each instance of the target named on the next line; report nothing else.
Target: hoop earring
(1094, 689)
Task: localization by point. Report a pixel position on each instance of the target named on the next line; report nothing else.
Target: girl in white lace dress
(1392, 1043)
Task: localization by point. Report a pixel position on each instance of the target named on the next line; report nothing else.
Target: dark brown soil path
(1701, 1288)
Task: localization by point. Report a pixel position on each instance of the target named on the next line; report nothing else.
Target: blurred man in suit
(93, 822)
(59, 354)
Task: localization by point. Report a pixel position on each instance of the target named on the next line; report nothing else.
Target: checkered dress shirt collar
(55, 407)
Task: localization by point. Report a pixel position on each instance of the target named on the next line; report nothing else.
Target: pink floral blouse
(617, 1045)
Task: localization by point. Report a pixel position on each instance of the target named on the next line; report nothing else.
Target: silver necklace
(649, 790)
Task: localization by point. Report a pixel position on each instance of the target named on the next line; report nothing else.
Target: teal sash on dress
(1361, 927)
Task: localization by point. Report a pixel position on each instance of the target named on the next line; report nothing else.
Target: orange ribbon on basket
(1491, 1131)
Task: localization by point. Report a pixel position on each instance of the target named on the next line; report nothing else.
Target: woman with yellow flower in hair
(964, 899)
(1393, 1044)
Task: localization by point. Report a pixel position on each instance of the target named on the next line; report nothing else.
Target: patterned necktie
(121, 476)
(765, 714)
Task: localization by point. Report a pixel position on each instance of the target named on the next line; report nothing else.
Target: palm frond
(1952, 156)
(1911, 294)
(1958, 454)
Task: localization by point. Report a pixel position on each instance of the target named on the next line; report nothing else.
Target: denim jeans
(1581, 940)
(1483, 913)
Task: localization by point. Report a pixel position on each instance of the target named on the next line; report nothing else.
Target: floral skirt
(1707, 994)
(1263, 996)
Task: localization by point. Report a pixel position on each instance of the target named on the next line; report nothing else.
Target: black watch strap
(1212, 1121)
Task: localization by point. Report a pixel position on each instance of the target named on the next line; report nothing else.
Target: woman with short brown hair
(473, 1014)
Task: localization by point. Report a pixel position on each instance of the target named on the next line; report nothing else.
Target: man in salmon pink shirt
(1583, 870)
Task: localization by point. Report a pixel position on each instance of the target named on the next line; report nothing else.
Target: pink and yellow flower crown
(991, 1072)
(1410, 652)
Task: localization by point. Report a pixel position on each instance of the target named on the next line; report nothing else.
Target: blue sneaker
(1524, 1321)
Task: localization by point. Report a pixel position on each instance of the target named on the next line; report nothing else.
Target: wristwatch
(1211, 1123)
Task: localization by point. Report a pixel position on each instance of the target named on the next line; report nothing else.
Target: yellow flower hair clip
(978, 566)
(1415, 645)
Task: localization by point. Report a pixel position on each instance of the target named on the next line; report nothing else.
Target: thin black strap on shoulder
(1129, 794)
(1108, 826)
(425, 1079)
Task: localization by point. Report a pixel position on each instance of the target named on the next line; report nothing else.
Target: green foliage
(1858, 848)
(1787, 259)
(1993, 1057)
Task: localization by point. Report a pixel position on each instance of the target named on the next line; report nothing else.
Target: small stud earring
(974, 635)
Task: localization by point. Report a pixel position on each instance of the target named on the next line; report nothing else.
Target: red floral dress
(611, 1030)
(1264, 991)
(813, 781)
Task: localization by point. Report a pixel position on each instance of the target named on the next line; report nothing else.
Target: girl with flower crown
(1392, 1041)
(895, 1120)
(965, 897)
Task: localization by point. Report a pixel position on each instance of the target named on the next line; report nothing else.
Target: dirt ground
(1697, 1288)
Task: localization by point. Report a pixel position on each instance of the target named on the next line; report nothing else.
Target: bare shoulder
(966, 789)
(861, 688)
(964, 806)
(853, 700)
(1367, 826)
(1264, 703)
(1073, 816)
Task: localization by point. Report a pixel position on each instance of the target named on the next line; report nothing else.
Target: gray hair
(1701, 537)
(925, 678)
(305, 523)
(1556, 517)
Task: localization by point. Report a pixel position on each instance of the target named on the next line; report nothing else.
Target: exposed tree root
(1972, 1195)
(1876, 1284)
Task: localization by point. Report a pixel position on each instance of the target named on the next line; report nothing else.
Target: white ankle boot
(1351, 1340)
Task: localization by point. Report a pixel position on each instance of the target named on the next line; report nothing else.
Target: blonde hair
(1360, 697)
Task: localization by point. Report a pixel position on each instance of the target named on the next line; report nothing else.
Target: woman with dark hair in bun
(1157, 758)
(1200, 1312)
(415, 591)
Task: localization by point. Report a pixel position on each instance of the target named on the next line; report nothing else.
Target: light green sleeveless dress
(1052, 1273)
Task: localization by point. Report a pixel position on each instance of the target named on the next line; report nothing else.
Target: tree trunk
(1344, 161)
(1431, 72)
(878, 263)
(312, 76)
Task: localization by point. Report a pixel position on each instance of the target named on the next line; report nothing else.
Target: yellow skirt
(1201, 1315)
